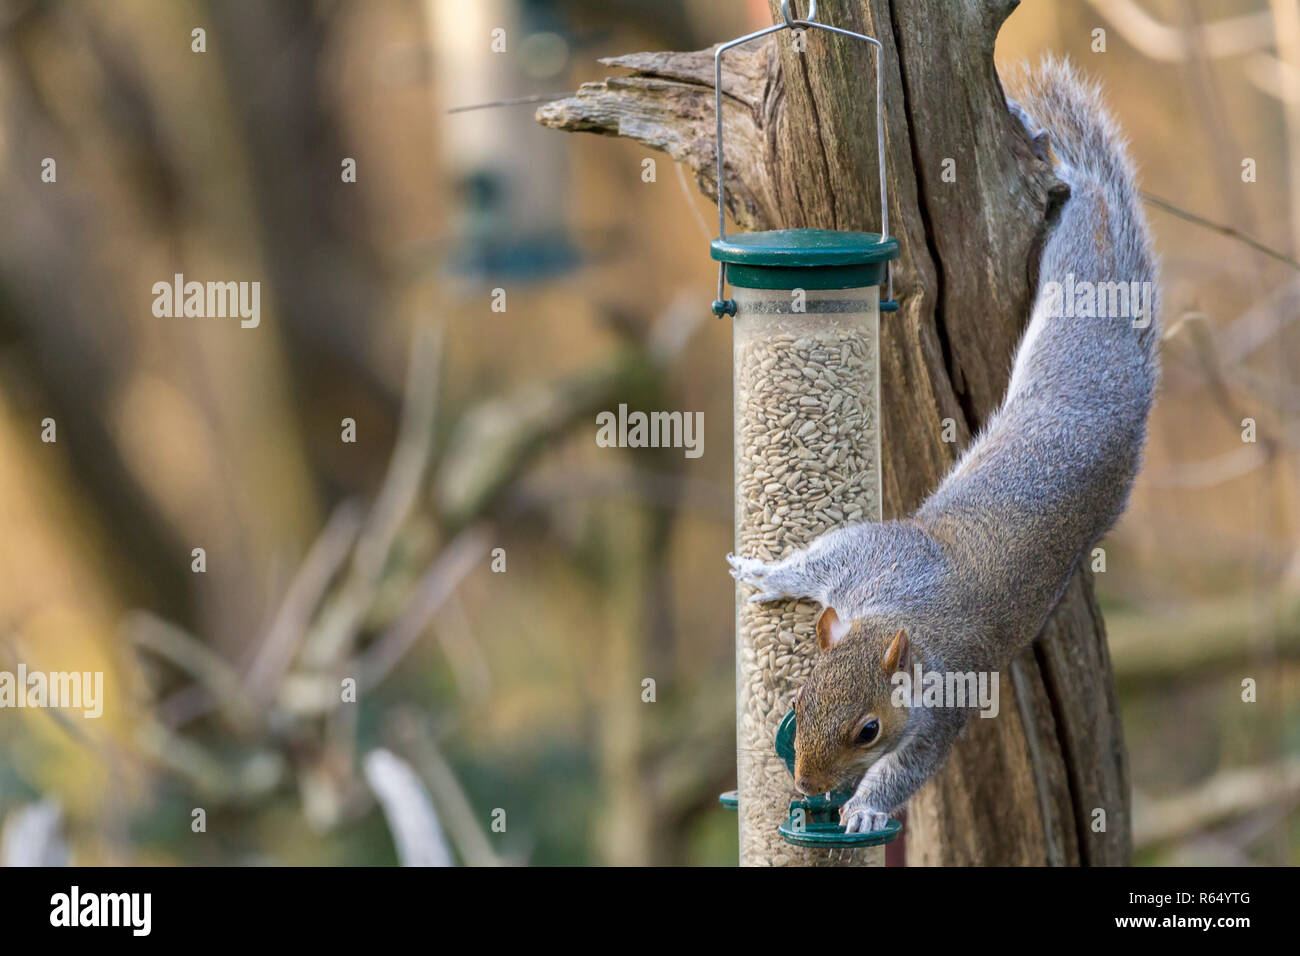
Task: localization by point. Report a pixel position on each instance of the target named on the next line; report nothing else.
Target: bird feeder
(806, 305)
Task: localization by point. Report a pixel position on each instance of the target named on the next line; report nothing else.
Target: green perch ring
(819, 826)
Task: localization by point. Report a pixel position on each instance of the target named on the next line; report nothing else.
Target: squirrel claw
(1038, 138)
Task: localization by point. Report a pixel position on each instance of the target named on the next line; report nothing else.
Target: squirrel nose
(805, 785)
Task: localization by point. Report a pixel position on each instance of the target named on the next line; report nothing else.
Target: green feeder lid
(805, 258)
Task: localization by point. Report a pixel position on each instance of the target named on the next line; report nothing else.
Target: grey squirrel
(970, 578)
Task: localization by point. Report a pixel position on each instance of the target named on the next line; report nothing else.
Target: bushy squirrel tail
(1091, 154)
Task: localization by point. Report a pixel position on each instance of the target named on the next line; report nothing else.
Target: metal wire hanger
(796, 23)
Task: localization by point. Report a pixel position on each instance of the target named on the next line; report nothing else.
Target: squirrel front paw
(770, 579)
(858, 817)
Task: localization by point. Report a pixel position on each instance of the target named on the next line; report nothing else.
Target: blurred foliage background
(486, 696)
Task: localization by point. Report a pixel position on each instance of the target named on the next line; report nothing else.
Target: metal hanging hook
(794, 23)
(791, 21)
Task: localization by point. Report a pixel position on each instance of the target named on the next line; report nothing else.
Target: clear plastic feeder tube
(807, 460)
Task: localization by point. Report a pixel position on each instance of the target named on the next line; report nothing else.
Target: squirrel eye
(870, 730)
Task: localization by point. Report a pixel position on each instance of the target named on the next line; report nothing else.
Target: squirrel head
(844, 718)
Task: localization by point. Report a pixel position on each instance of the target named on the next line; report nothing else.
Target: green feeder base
(831, 836)
(730, 800)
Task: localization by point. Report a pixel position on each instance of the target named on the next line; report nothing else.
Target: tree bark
(1023, 788)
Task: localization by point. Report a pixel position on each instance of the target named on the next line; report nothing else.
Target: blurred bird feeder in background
(807, 459)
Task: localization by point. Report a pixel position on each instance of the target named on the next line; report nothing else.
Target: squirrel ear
(830, 629)
(896, 657)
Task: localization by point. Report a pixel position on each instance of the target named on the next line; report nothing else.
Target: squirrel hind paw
(1038, 138)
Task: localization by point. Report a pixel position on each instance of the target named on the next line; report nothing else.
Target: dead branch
(1228, 794)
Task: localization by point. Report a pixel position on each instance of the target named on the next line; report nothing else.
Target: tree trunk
(1024, 788)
